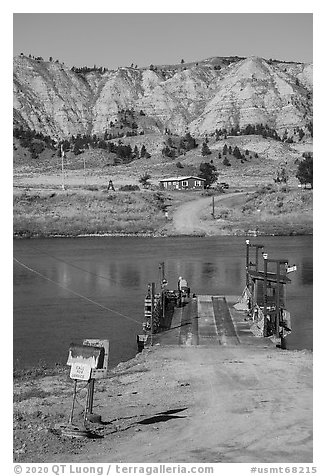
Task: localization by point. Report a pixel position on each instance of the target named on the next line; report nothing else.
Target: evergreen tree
(237, 153)
(301, 134)
(205, 149)
(225, 149)
(305, 171)
(208, 172)
(143, 151)
(136, 152)
(189, 141)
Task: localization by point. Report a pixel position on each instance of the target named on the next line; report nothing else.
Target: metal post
(73, 402)
(265, 256)
(213, 206)
(257, 249)
(277, 319)
(162, 266)
(152, 309)
(247, 262)
(90, 396)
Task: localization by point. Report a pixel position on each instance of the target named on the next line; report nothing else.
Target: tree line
(36, 143)
(262, 130)
(176, 146)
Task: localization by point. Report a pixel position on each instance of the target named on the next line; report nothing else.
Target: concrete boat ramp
(208, 320)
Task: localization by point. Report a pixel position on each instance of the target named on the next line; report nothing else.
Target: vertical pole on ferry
(257, 249)
(265, 256)
(247, 262)
(152, 309)
(162, 266)
(277, 320)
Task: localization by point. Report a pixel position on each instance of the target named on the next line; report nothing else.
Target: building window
(184, 183)
(197, 183)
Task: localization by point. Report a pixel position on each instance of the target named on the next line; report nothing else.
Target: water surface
(78, 288)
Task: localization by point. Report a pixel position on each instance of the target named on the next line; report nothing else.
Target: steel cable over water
(73, 265)
(74, 292)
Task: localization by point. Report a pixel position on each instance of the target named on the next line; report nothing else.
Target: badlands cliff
(200, 97)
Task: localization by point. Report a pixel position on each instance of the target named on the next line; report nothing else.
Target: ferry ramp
(207, 320)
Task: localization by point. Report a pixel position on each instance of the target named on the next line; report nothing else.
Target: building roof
(178, 179)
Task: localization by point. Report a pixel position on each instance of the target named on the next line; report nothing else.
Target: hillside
(254, 117)
(217, 93)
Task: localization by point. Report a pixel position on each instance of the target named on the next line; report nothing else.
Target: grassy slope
(271, 210)
(85, 212)
(43, 209)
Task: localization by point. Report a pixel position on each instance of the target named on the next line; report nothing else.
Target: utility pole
(213, 205)
(62, 168)
(84, 169)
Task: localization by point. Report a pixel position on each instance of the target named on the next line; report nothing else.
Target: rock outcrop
(52, 99)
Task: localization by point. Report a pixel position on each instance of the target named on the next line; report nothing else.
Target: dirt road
(206, 392)
(195, 217)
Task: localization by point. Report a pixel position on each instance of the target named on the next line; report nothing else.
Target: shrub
(144, 180)
(129, 188)
(222, 214)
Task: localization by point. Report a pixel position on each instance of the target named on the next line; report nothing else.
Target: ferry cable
(75, 266)
(74, 292)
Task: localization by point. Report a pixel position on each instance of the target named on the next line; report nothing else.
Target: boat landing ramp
(207, 320)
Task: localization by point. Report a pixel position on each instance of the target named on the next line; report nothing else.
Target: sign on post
(290, 269)
(80, 371)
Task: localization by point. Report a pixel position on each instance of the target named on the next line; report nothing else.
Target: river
(69, 289)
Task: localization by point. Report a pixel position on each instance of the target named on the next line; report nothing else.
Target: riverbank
(224, 395)
(269, 211)
(221, 404)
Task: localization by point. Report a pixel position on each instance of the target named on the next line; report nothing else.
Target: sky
(120, 39)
